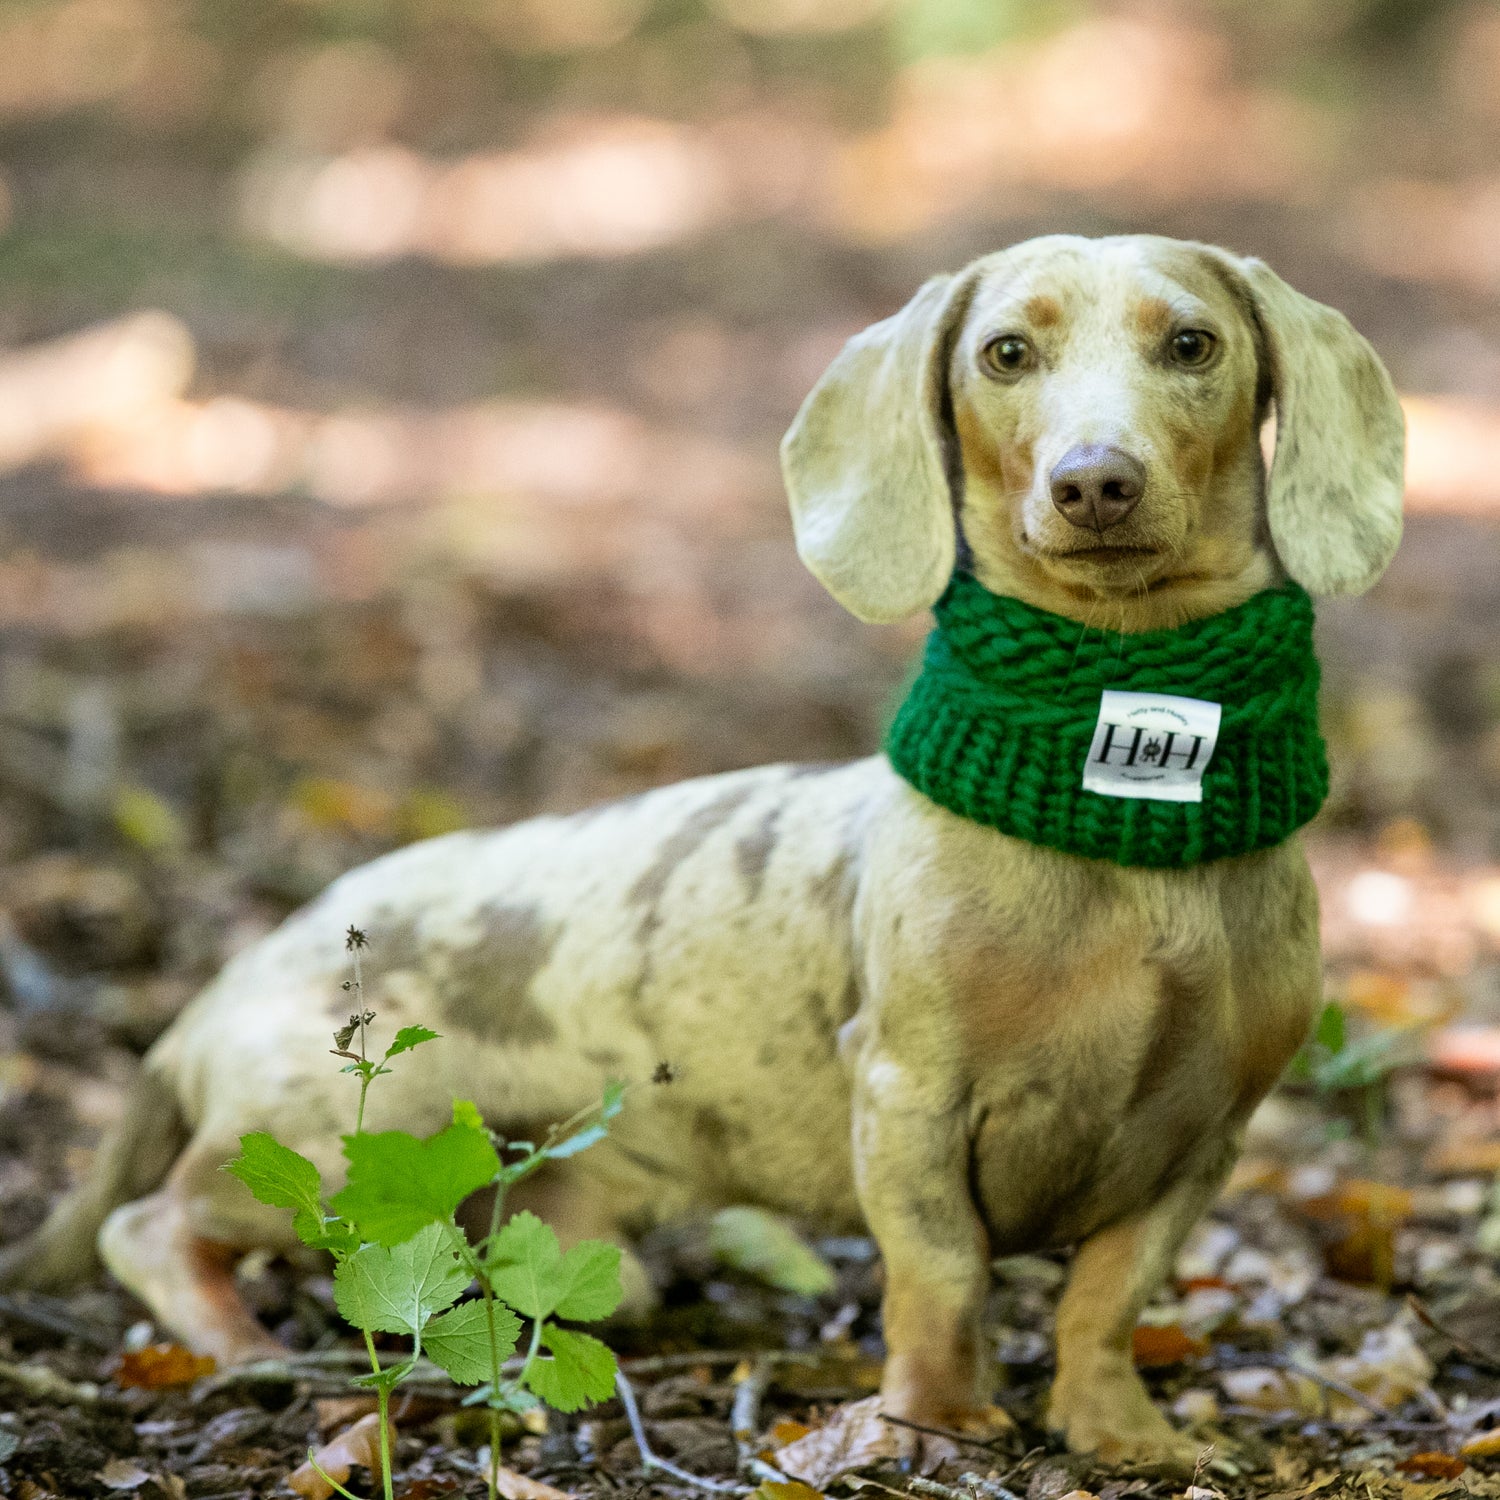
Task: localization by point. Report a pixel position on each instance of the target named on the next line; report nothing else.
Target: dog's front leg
(1099, 1403)
(911, 1164)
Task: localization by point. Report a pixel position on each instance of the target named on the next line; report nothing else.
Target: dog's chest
(1113, 1025)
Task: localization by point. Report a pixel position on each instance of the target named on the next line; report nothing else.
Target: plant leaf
(532, 1274)
(580, 1372)
(281, 1177)
(396, 1290)
(524, 1265)
(459, 1341)
(409, 1037)
(765, 1245)
(590, 1274)
(398, 1183)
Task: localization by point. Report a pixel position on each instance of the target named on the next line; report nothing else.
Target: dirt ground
(405, 524)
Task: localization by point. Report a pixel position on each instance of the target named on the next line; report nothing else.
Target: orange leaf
(787, 1431)
(1204, 1284)
(359, 1444)
(1164, 1346)
(1433, 1465)
(160, 1365)
(1486, 1445)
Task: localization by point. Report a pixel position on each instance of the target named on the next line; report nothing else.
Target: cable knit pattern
(998, 724)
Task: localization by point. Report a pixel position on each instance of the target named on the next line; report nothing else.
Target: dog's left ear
(1334, 498)
(868, 461)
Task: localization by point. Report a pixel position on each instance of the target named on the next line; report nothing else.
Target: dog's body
(877, 1011)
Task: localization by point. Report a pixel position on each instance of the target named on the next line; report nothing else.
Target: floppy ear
(867, 461)
(1334, 499)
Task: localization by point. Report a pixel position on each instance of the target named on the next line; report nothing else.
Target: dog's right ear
(868, 458)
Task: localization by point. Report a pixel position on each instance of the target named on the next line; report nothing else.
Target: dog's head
(1083, 417)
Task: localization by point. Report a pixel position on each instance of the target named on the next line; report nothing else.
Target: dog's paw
(1120, 1428)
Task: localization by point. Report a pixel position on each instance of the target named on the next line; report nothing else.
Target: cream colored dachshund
(881, 1013)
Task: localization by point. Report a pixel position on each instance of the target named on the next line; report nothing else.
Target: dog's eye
(1009, 354)
(1192, 346)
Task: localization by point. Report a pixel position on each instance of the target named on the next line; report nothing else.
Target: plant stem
(364, 1088)
(383, 1404)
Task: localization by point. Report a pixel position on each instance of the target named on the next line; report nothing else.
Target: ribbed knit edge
(955, 737)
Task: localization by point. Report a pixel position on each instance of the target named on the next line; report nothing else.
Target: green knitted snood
(1014, 705)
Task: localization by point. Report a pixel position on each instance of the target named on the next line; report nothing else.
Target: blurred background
(389, 399)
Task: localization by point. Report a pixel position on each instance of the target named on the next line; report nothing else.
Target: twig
(942, 1432)
(649, 1459)
(744, 1422)
(320, 1376)
(991, 1489)
(41, 1312)
(42, 1384)
(932, 1487)
(1301, 1419)
(1470, 1351)
(1338, 1387)
(655, 1364)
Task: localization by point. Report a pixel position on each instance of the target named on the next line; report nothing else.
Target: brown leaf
(516, 1486)
(359, 1444)
(337, 1412)
(855, 1436)
(771, 1489)
(1154, 1347)
(1486, 1445)
(158, 1366)
(1433, 1465)
(785, 1431)
(123, 1474)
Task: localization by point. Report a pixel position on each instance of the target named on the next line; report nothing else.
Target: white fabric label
(1151, 745)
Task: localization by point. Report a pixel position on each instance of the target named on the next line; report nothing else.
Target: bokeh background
(389, 399)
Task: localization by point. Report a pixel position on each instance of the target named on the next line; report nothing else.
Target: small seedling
(1355, 1069)
(402, 1260)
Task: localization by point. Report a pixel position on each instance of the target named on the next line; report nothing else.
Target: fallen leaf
(1486, 1445)
(337, 1412)
(1471, 1048)
(855, 1436)
(1169, 1345)
(785, 1431)
(123, 1474)
(1272, 1390)
(1389, 1367)
(1360, 1220)
(1464, 1157)
(359, 1444)
(771, 1489)
(1433, 1465)
(764, 1245)
(159, 1366)
(516, 1486)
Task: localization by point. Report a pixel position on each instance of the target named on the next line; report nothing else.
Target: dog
(880, 1013)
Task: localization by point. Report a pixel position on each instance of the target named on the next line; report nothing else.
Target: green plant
(1355, 1070)
(402, 1260)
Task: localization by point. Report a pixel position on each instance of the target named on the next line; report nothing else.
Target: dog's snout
(1096, 486)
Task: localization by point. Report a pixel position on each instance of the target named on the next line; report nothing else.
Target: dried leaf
(771, 1489)
(337, 1412)
(785, 1431)
(854, 1437)
(1486, 1445)
(359, 1444)
(516, 1486)
(123, 1474)
(1169, 1345)
(1433, 1465)
(159, 1366)
(1272, 1390)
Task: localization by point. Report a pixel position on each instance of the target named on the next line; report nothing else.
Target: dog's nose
(1095, 486)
